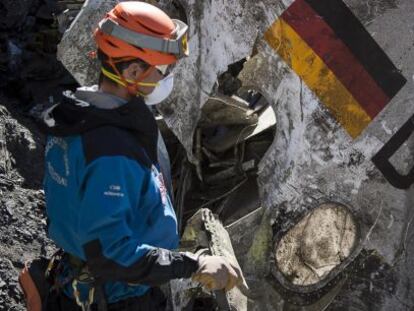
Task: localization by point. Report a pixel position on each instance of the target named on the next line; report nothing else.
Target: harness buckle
(85, 305)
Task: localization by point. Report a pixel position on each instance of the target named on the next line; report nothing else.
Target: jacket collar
(74, 116)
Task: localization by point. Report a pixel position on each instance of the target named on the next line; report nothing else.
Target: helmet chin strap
(131, 85)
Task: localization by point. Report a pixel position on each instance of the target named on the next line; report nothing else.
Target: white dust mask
(161, 91)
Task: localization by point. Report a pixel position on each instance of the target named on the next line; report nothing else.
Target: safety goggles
(178, 45)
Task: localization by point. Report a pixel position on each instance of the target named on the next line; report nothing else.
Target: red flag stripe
(337, 56)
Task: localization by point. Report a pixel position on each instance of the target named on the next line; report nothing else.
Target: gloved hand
(215, 273)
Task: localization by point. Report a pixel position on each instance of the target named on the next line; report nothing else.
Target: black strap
(100, 297)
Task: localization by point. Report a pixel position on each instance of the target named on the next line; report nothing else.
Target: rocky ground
(29, 76)
(22, 218)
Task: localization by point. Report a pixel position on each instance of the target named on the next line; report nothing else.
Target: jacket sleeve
(111, 188)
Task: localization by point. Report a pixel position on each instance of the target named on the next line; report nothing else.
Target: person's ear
(132, 72)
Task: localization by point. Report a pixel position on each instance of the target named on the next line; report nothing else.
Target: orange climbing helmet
(137, 29)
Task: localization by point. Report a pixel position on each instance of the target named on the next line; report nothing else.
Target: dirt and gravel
(29, 75)
(22, 208)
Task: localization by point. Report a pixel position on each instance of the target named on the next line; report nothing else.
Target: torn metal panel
(204, 230)
(242, 231)
(318, 150)
(314, 160)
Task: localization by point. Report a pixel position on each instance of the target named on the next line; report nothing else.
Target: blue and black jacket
(106, 200)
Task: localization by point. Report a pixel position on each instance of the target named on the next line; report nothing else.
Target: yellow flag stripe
(319, 78)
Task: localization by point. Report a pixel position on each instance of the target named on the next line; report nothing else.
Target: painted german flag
(329, 48)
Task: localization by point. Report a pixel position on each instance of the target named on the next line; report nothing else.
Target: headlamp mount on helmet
(177, 46)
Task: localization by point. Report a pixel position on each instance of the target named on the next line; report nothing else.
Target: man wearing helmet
(108, 206)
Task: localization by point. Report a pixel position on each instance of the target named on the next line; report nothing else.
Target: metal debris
(224, 110)
(226, 137)
(204, 230)
(222, 172)
(231, 172)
